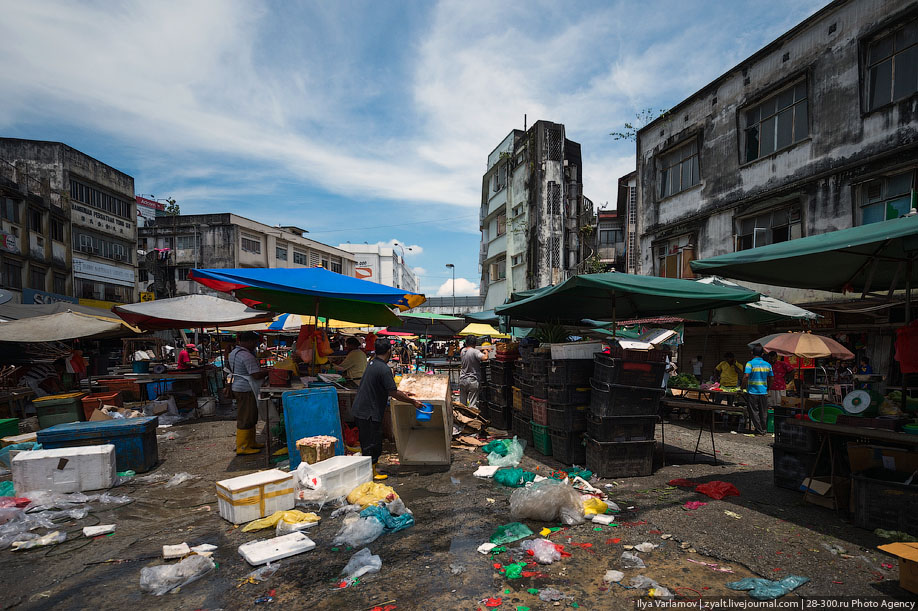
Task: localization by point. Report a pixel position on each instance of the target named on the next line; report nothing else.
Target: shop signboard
(31, 296)
(367, 267)
(102, 272)
(148, 210)
(9, 242)
(801, 362)
(147, 296)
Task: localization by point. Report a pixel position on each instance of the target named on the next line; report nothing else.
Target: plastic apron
(255, 387)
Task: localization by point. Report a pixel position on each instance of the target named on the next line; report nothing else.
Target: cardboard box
(832, 493)
(808, 404)
(863, 457)
(98, 416)
(907, 553)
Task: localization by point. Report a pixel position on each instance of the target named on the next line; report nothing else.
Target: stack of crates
(624, 405)
(568, 385)
(794, 451)
(537, 370)
(522, 407)
(500, 393)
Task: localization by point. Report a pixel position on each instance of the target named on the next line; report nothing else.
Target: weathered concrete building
(537, 228)
(815, 132)
(171, 246)
(610, 239)
(81, 240)
(383, 264)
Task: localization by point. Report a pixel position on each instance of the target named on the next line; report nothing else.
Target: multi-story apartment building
(171, 246)
(610, 240)
(537, 228)
(384, 265)
(80, 241)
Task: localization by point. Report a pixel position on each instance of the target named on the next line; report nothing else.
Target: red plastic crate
(540, 411)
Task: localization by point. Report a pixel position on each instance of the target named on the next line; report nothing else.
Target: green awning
(613, 295)
(868, 258)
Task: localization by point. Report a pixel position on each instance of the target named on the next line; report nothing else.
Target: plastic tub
(569, 394)
(540, 386)
(9, 427)
(826, 413)
(575, 350)
(423, 413)
(622, 428)
(141, 367)
(568, 448)
(517, 399)
(541, 438)
(58, 409)
(96, 400)
(619, 459)
(576, 371)
(567, 418)
(500, 394)
(617, 400)
(789, 434)
(911, 429)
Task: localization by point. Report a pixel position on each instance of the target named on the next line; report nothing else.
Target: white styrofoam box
(73, 469)
(263, 551)
(600, 518)
(95, 531)
(339, 475)
(575, 350)
(253, 496)
(180, 550)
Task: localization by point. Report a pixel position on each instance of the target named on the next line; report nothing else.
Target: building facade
(384, 265)
(610, 240)
(171, 246)
(537, 228)
(80, 240)
(458, 305)
(817, 131)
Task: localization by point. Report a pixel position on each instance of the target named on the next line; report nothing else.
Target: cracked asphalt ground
(775, 535)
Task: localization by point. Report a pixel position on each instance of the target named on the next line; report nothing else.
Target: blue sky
(360, 121)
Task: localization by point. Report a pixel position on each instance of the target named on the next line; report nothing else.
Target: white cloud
(420, 271)
(410, 249)
(463, 287)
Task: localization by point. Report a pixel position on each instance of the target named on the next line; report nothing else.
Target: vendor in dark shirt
(376, 386)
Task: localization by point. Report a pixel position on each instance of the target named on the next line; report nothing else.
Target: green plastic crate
(541, 438)
(9, 427)
(58, 409)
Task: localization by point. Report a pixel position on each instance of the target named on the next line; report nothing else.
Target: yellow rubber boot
(253, 443)
(244, 437)
(378, 476)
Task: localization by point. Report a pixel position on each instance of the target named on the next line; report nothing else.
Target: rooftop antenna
(524, 122)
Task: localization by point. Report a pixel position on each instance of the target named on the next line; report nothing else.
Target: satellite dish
(5, 296)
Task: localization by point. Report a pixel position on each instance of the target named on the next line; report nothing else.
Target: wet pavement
(434, 564)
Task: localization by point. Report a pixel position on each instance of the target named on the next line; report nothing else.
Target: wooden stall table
(706, 408)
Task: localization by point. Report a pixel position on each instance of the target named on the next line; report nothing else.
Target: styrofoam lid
(70, 452)
(268, 476)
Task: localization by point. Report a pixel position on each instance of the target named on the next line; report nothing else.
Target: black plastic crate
(522, 428)
(655, 355)
(569, 394)
(792, 466)
(617, 400)
(789, 434)
(619, 459)
(568, 448)
(527, 408)
(575, 371)
(538, 365)
(526, 387)
(882, 500)
(499, 416)
(501, 372)
(567, 418)
(500, 395)
(628, 373)
(621, 428)
(539, 387)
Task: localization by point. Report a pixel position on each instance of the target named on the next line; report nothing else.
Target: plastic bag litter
(717, 489)
(642, 582)
(630, 560)
(43, 500)
(7, 489)
(592, 505)
(7, 540)
(551, 594)
(5, 452)
(370, 493)
(543, 550)
(179, 478)
(70, 514)
(357, 531)
(264, 573)
(344, 510)
(513, 478)
(390, 522)
(158, 580)
(114, 499)
(645, 547)
(508, 533)
(548, 501)
(512, 457)
(613, 576)
(293, 516)
(362, 563)
(765, 589)
(152, 478)
(308, 485)
(9, 513)
(285, 528)
(52, 538)
(397, 507)
(498, 446)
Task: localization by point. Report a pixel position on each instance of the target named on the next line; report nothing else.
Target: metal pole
(908, 319)
(454, 290)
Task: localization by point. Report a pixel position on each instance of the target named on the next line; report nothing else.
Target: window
(887, 198)
(313, 259)
(516, 260)
(892, 66)
(336, 265)
(518, 210)
(673, 257)
(57, 230)
(769, 228)
(679, 169)
(60, 284)
(168, 242)
(610, 234)
(778, 122)
(35, 220)
(186, 242)
(325, 260)
(97, 199)
(498, 270)
(36, 278)
(251, 244)
(103, 247)
(181, 273)
(11, 274)
(300, 258)
(9, 209)
(501, 224)
(280, 253)
(554, 198)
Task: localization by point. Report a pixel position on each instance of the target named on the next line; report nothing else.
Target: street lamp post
(453, 267)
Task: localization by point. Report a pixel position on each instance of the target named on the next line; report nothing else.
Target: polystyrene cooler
(424, 442)
(253, 496)
(65, 469)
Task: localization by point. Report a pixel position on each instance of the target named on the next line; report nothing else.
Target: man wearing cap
(184, 359)
(247, 377)
(376, 386)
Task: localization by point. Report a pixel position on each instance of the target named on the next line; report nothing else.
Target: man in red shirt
(783, 373)
(184, 358)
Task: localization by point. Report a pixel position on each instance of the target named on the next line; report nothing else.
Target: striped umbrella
(803, 344)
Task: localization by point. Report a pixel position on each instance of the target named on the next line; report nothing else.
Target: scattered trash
(171, 552)
(510, 456)
(291, 516)
(371, 493)
(717, 490)
(391, 523)
(630, 560)
(834, 549)
(357, 531)
(491, 602)
(362, 563)
(485, 548)
(113, 499)
(263, 551)
(52, 538)
(613, 576)
(548, 501)
(692, 505)
(259, 575)
(551, 594)
(101, 529)
(513, 478)
(179, 478)
(456, 569)
(766, 589)
(344, 510)
(158, 580)
(543, 550)
(892, 535)
(603, 519)
(204, 549)
(666, 537)
(508, 533)
(594, 506)
(485, 471)
(711, 565)
(733, 515)
(646, 547)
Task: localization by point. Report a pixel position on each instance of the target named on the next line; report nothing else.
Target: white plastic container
(575, 350)
(339, 475)
(253, 496)
(72, 469)
(262, 551)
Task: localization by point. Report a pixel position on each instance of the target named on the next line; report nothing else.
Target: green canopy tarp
(765, 310)
(613, 295)
(873, 257)
(426, 323)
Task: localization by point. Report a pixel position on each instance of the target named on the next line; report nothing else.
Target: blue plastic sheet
(309, 412)
(390, 522)
(765, 589)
